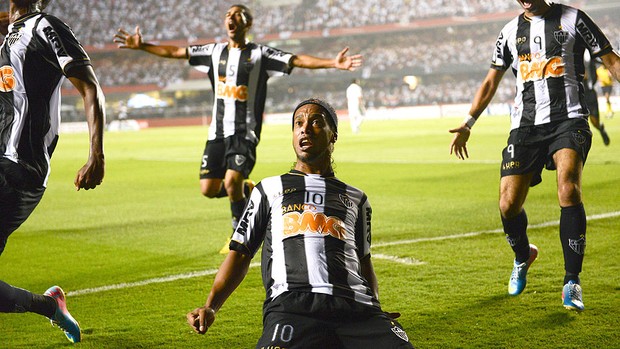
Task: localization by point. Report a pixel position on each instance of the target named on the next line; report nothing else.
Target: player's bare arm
(228, 278)
(483, 97)
(85, 81)
(612, 63)
(342, 61)
(126, 40)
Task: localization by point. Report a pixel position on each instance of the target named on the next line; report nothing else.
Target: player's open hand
(4, 23)
(459, 142)
(350, 63)
(200, 319)
(91, 174)
(126, 40)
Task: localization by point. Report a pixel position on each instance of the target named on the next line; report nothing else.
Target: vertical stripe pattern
(315, 231)
(239, 80)
(35, 56)
(546, 55)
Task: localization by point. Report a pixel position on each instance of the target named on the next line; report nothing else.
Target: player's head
(238, 21)
(315, 130)
(33, 5)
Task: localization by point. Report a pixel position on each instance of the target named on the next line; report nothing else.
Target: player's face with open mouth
(234, 21)
(311, 132)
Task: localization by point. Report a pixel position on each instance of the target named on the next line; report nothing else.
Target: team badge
(560, 36)
(579, 246)
(578, 137)
(239, 159)
(400, 333)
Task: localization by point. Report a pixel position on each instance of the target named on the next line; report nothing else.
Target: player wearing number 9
(544, 47)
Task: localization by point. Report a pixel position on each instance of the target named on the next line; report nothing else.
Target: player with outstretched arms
(238, 71)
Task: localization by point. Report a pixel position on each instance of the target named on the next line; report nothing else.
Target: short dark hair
(332, 120)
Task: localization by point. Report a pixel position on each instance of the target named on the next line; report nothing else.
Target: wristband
(469, 121)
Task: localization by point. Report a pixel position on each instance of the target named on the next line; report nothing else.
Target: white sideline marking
(477, 233)
(407, 261)
(148, 281)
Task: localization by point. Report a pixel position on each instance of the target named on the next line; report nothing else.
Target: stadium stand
(445, 44)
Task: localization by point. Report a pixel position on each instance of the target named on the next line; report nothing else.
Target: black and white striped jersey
(314, 231)
(546, 56)
(239, 81)
(36, 54)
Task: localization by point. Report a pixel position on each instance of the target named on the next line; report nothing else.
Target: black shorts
(607, 89)
(530, 149)
(308, 320)
(234, 153)
(17, 199)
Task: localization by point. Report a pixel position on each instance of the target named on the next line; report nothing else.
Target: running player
(544, 47)
(607, 85)
(238, 71)
(38, 52)
(315, 231)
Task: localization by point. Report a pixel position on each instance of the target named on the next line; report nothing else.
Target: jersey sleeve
(277, 62)
(363, 234)
(67, 50)
(502, 58)
(251, 230)
(200, 56)
(594, 39)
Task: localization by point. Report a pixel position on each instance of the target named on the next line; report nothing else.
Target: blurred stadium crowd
(443, 46)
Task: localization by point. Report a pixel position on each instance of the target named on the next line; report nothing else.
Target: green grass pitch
(139, 252)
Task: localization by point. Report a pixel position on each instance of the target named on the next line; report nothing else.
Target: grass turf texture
(149, 221)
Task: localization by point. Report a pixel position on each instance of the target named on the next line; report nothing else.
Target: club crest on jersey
(400, 333)
(14, 37)
(560, 36)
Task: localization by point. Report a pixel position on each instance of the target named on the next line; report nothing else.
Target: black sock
(223, 193)
(17, 300)
(571, 277)
(236, 208)
(573, 238)
(515, 229)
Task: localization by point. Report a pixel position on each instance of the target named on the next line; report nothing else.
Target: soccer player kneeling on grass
(315, 230)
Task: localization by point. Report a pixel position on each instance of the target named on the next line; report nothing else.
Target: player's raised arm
(231, 273)
(126, 40)
(342, 61)
(483, 97)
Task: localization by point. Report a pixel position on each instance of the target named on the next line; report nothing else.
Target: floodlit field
(139, 252)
